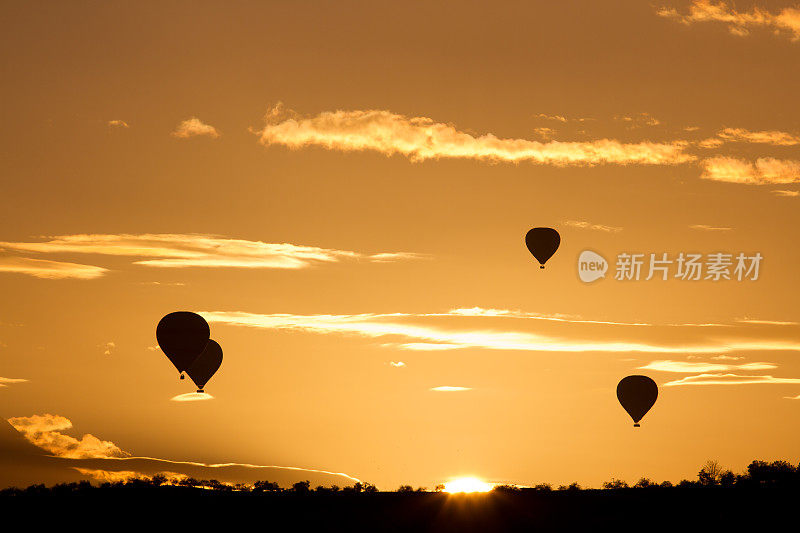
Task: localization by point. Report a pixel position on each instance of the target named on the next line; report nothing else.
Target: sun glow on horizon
(466, 485)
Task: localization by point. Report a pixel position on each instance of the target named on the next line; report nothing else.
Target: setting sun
(467, 484)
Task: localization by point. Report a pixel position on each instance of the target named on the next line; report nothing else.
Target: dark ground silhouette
(762, 498)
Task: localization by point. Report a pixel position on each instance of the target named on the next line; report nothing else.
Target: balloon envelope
(542, 243)
(637, 394)
(206, 365)
(182, 337)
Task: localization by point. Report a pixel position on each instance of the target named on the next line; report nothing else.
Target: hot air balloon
(206, 365)
(182, 337)
(542, 243)
(637, 394)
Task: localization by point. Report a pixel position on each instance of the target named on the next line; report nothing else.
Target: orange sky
(341, 187)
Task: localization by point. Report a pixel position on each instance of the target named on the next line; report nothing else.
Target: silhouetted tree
(405, 488)
(615, 484)
(644, 483)
(439, 488)
(301, 487)
(354, 488)
(266, 486)
(777, 473)
(709, 475)
(543, 487)
(727, 479)
(505, 488)
(368, 487)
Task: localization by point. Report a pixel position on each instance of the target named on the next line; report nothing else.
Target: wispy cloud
(786, 194)
(706, 227)
(687, 367)
(447, 388)
(185, 250)
(194, 127)
(117, 123)
(192, 397)
(638, 120)
(41, 268)
(4, 382)
(421, 138)
(767, 322)
(785, 21)
(397, 364)
(416, 336)
(108, 347)
(582, 224)
(765, 170)
(774, 137)
(557, 118)
(544, 133)
(711, 142)
(45, 431)
(730, 379)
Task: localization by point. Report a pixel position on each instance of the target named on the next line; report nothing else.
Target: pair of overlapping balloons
(637, 394)
(185, 339)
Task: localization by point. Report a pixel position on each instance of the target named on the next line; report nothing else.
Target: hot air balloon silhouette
(206, 365)
(182, 337)
(637, 394)
(542, 243)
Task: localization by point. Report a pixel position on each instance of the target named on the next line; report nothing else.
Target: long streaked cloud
(785, 21)
(45, 431)
(689, 367)
(449, 388)
(183, 250)
(415, 336)
(4, 382)
(42, 268)
(118, 124)
(767, 322)
(104, 460)
(421, 138)
(582, 224)
(765, 170)
(773, 137)
(194, 127)
(730, 379)
(706, 227)
(786, 194)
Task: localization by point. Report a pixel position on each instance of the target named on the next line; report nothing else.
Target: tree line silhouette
(761, 498)
(775, 474)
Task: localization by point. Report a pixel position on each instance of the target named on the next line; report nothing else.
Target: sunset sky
(342, 189)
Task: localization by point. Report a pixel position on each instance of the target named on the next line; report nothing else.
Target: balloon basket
(637, 426)
(182, 376)
(200, 391)
(541, 266)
